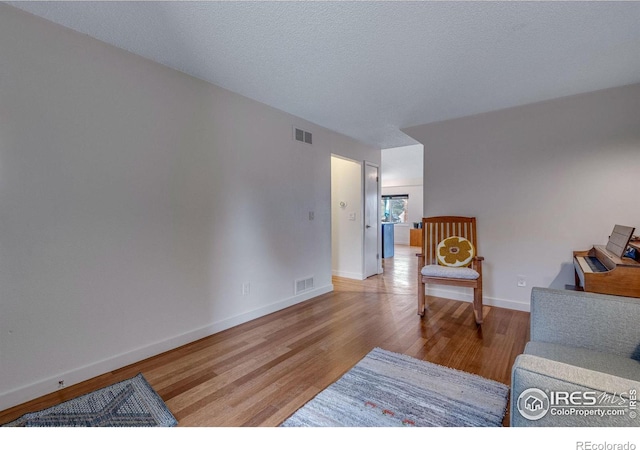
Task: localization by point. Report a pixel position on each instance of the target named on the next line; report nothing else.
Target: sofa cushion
(587, 359)
(604, 323)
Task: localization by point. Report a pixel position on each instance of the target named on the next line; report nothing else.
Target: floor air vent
(304, 285)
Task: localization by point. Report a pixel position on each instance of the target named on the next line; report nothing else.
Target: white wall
(134, 203)
(543, 180)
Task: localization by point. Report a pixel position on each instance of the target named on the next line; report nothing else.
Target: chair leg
(477, 305)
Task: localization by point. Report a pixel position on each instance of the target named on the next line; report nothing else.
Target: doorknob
(368, 226)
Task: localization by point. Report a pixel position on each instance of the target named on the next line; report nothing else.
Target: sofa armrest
(604, 323)
(555, 377)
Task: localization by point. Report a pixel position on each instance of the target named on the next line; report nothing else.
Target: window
(394, 208)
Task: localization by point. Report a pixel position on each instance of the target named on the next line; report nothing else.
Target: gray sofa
(581, 367)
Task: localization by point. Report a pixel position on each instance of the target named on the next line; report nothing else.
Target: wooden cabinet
(415, 237)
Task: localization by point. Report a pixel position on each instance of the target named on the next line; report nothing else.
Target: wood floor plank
(261, 372)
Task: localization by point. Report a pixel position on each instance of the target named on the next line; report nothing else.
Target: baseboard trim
(80, 374)
(350, 275)
(489, 301)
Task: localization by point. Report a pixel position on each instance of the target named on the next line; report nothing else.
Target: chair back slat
(435, 229)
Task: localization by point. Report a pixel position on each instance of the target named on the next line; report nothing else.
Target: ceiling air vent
(302, 136)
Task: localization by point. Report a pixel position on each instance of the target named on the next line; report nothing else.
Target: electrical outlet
(60, 384)
(522, 281)
(246, 288)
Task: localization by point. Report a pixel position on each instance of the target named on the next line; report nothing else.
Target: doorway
(355, 202)
(402, 175)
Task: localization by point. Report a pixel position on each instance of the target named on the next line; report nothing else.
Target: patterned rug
(387, 389)
(129, 403)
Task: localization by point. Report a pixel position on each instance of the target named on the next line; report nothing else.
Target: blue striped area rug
(387, 389)
(129, 403)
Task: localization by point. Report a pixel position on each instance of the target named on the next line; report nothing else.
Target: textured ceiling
(369, 69)
(402, 164)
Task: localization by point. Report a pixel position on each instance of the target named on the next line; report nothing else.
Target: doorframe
(360, 253)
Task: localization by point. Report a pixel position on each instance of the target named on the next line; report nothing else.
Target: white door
(371, 218)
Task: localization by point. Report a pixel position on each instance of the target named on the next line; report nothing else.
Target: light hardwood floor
(260, 372)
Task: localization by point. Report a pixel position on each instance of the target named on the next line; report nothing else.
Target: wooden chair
(434, 231)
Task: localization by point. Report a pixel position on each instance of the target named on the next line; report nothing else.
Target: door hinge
(377, 179)
(377, 255)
